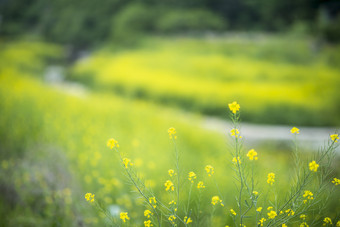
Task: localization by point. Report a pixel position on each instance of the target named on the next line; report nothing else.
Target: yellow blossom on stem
(236, 160)
(147, 223)
(335, 137)
(295, 130)
(308, 195)
(187, 220)
(192, 177)
(338, 224)
(272, 214)
(171, 172)
(336, 181)
(172, 219)
(303, 216)
(127, 162)
(313, 166)
(271, 178)
(148, 213)
(252, 155)
(200, 184)
(89, 197)
(269, 208)
(259, 209)
(172, 132)
(304, 224)
(169, 185)
(234, 132)
(153, 202)
(284, 225)
(327, 221)
(234, 107)
(290, 212)
(111, 143)
(124, 216)
(261, 221)
(232, 212)
(215, 200)
(255, 193)
(210, 170)
(172, 202)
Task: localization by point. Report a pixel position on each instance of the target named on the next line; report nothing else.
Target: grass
(53, 151)
(277, 81)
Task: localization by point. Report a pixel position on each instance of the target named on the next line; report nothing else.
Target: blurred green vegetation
(278, 80)
(53, 145)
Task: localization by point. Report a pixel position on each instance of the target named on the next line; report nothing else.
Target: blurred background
(75, 73)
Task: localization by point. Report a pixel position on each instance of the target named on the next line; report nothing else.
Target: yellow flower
(295, 130)
(172, 202)
(169, 185)
(192, 177)
(272, 214)
(148, 213)
(290, 212)
(338, 224)
(200, 184)
(215, 200)
(304, 224)
(111, 143)
(187, 220)
(336, 181)
(335, 137)
(327, 221)
(172, 132)
(147, 223)
(172, 219)
(127, 162)
(252, 154)
(232, 212)
(153, 202)
(269, 208)
(259, 209)
(308, 195)
(261, 221)
(210, 170)
(234, 132)
(313, 166)
(303, 216)
(236, 160)
(234, 107)
(171, 172)
(271, 178)
(124, 216)
(255, 193)
(284, 225)
(89, 197)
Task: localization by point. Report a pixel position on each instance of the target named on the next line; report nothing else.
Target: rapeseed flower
(200, 184)
(255, 193)
(169, 185)
(336, 181)
(269, 208)
(147, 223)
(236, 160)
(234, 132)
(187, 220)
(259, 209)
(172, 132)
(335, 137)
(261, 221)
(252, 155)
(192, 177)
(290, 212)
(172, 219)
(308, 195)
(153, 202)
(313, 166)
(295, 130)
(272, 214)
(111, 143)
(303, 216)
(327, 221)
(284, 225)
(89, 197)
(304, 224)
(127, 162)
(171, 172)
(124, 216)
(234, 107)
(232, 212)
(210, 170)
(215, 200)
(338, 224)
(271, 178)
(148, 213)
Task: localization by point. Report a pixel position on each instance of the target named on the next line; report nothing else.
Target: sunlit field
(54, 144)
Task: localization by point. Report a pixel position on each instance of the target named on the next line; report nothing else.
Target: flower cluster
(172, 219)
(236, 160)
(147, 223)
(261, 221)
(187, 220)
(295, 130)
(200, 184)
(215, 200)
(111, 143)
(271, 178)
(234, 132)
(308, 195)
(290, 212)
(147, 213)
(232, 212)
(89, 197)
(169, 185)
(124, 216)
(192, 177)
(153, 202)
(171, 172)
(172, 132)
(335, 137)
(252, 155)
(234, 107)
(127, 162)
(210, 170)
(336, 181)
(327, 221)
(272, 214)
(313, 166)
